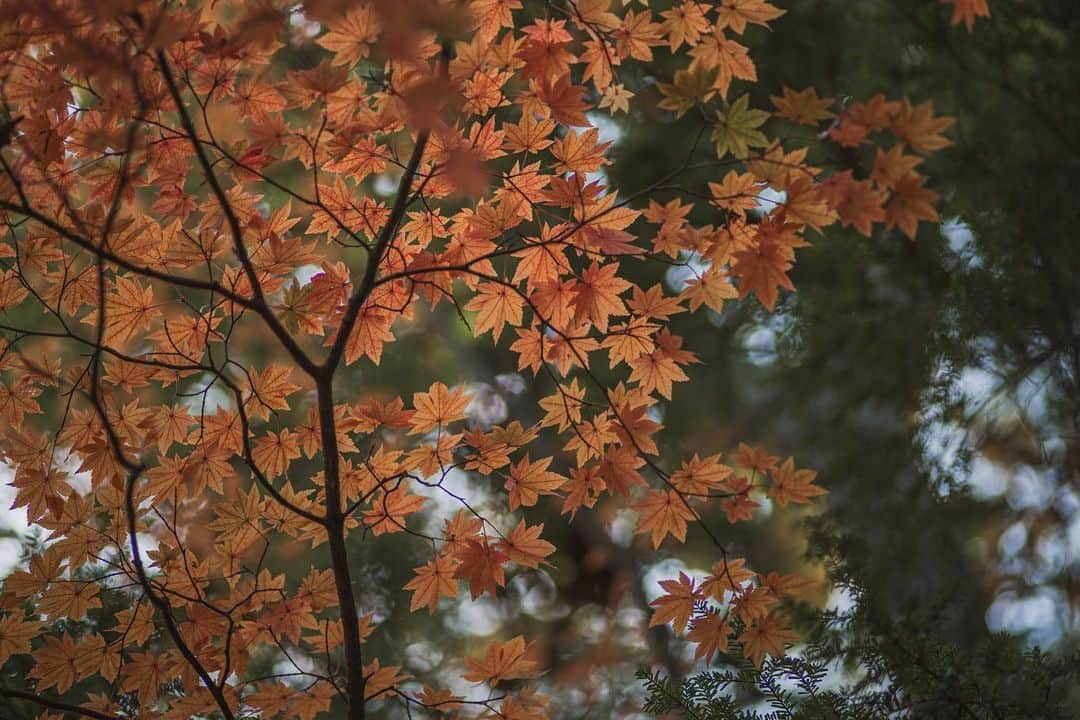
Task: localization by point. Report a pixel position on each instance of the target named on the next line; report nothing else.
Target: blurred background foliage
(932, 384)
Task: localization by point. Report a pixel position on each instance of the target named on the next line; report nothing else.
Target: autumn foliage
(173, 408)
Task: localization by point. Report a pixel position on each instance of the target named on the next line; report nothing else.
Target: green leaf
(736, 129)
(690, 88)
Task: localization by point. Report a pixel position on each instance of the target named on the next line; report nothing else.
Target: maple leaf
(856, 202)
(751, 603)
(43, 569)
(387, 514)
(482, 565)
(524, 546)
(663, 513)
(711, 633)
(350, 37)
(69, 598)
(496, 306)
(378, 679)
(616, 98)
(54, 664)
(685, 23)
(762, 271)
(676, 605)
(910, 203)
(803, 107)
(637, 36)
(433, 581)
(583, 489)
(635, 428)
(370, 332)
(698, 476)
(15, 636)
(736, 192)
(619, 469)
(737, 13)
(659, 369)
(528, 480)
(768, 636)
(689, 88)
(596, 295)
(530, 135)
(728, 575)
(269, 390)
(711, 290)
(503, 661)
(580, 152)
(967, 11)
(791, 485)
(892, 165)
(736, 129)
(793, 586)
(917, 127)
(729, 58)
(564, 99)
(437, 407)
(274, 451)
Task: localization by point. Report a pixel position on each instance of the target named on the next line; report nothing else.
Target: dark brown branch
(55, 704)
(368, 281)
(134, 469)
(335, 516)
(259, 304)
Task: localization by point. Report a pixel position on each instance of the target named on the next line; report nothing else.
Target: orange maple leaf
(967, 11)
(434, 580)
(482, 565)
(596, 296)
(524, 546)
(791, 485)
(768, 636)
(663, 513)
(737, 13)
(677, 604)
(388, 512)
(528, 480)
(711, 633)
(762, 271)
(503, 661)
(437, 407)
(496, 305)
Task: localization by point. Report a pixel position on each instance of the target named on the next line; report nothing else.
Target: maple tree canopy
(214, 208)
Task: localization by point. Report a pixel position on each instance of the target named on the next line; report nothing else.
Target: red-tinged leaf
(564, 99)
(482, 565)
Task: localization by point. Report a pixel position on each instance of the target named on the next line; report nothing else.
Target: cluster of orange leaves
(731, 596)
(152, 310)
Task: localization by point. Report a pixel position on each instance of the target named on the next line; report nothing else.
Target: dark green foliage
(850, 672)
